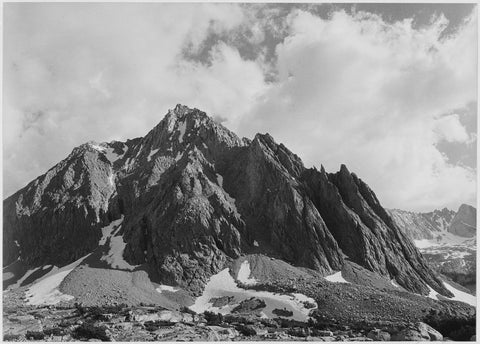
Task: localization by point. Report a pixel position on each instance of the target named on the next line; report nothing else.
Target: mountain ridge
(194, 196)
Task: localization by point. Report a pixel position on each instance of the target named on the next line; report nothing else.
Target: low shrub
(35, 335)
(459, 328)
(11, 337)
(55, 331)
(89, 330)
(213, 318)
(152, 326)
(187, 310)
(246, 330)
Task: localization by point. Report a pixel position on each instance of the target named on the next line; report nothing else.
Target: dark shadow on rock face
(35, 276)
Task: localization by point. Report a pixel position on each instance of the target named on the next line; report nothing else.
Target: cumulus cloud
(357, 90)
(349, 89)
(108, 71)
(450, 129)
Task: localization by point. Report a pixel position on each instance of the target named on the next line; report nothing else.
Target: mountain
(464, 223)
(180, 204)
(446, 238)
(423, 225)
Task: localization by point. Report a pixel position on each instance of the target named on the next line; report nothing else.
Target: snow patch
(97, 147)
(111, 179)
(171, 124)
(116, 244)
(423, 243)
(152, 153)
(244, 274)
(220, 180)
(223, 284)
(255, 243)
(108, 230)
(163, 287)
(182, 127)
(462, 296)
(112, 156)
(432, 293)
(46, 267)
(336, 278)
(179, 156)
(115, 255)
(394, 283)
(46, 290)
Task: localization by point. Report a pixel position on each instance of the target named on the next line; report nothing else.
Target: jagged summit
(193, 196)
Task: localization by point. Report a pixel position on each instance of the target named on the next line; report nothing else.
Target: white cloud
(352, 90)
(359, 91)
(450, 129)
(108, 71)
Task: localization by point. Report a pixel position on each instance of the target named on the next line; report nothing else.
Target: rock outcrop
(194, 196)
(464, 223)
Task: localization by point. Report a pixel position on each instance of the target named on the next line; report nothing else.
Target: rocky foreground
(346, 312)
(119, 323)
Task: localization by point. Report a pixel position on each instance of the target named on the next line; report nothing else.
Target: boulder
(221, 301)
(379, 335)
(417, 332)
(249, 305)
(20, 325)
(223, 333)
(434, 334)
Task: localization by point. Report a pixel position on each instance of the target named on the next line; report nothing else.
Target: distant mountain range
(446, 238)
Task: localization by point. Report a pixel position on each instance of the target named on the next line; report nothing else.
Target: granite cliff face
(464, 223)
(194, 196)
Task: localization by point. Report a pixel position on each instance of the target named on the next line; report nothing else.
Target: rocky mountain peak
(193, 196)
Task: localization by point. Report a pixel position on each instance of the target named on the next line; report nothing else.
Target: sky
(390, 90)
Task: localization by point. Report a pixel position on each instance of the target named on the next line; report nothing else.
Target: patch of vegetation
(284, 323)
(282, 312)
(459, 328)
(81, 310)
(187, 310)
(152, 326)
(237, 319)
(89, 330)
(100, 312)
(213, 318)
(308, 305)
(298, 332)
(246, 330)
(11, 337)
(35, 335)
(55, 331)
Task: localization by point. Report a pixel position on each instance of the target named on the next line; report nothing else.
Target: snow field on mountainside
(336, 278)
(46, 290)
(432, 293)
(458, 295)
(244, 274)
(182, 127)
(461, 295)
(169, 288)
(223, 284)
(116, 244)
